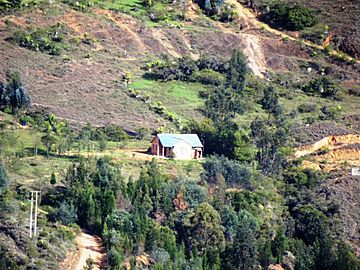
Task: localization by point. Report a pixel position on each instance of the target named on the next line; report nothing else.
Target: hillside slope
(83, 84)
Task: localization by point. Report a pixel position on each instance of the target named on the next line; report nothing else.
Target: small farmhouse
(180, 146)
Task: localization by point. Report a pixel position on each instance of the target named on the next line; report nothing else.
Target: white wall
(183, 150)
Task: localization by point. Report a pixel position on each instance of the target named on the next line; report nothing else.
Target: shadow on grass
(31, 152)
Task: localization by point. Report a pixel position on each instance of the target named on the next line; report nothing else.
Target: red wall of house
(154, 142)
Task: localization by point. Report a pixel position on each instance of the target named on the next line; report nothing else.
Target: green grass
(133, 7)
(190, 169)
(36, 170)
(179, 97)
(349, 104)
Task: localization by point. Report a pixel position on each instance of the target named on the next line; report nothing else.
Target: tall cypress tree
(4, 181)
(270, 102)
(16, 93)
(244, 249)
(238, 71)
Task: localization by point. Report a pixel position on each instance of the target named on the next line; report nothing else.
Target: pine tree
(279, 244)
(270, 102)
(270, 135)
(238, 71)
(207, 231)
(4, 181)
(49, 140)
(244, 249)
(108, 203)
(16, 93)
(53, 178)
(3, 101)
(222, 105)
(115, 259)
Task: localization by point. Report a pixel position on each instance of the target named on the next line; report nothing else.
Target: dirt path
(89, 246)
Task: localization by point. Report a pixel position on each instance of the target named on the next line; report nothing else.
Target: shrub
(228, 13)
(354, 92)
(307, 108)
(316, 34)
(65, 213)
(10, 4)
(330, 113)
(211, 7)
(127, 77)
(158, 108)
(158, 13)
(206, 70)
(207, 62)
(293, 18)
(4, 181)
(323, 86)
(53, 178)
(80, 5)
(50, 40)
(233, 172)
(208, 76)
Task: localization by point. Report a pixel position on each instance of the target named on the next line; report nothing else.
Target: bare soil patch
(89, 247)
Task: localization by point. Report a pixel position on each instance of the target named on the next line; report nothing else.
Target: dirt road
(89, 246)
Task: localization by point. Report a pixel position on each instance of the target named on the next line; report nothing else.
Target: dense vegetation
(183, 223)
(247, 206)
(13, 95)
(250, 206)
(290, 17)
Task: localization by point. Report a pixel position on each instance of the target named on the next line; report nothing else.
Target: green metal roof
(169, 140)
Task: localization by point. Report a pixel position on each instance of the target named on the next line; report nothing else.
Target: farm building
(180, 146)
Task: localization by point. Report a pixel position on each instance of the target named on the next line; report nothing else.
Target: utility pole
(31, 213)
(36, 212)
(33, 218)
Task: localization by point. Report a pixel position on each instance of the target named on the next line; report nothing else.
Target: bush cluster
(330, 112)
(290, 17)
(211, 7)
(217, 9)
(206, 70)
(80, 5)
(156, 106)
(49, 40)
(9, 4)
(111, 132)
(324, 87)
(233, 172)
(307, 107)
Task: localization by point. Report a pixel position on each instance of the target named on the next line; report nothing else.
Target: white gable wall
(183, 150)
